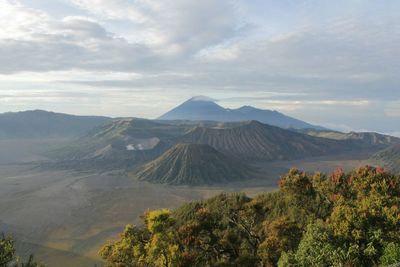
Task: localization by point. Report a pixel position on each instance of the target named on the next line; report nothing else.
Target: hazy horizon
(330, 64)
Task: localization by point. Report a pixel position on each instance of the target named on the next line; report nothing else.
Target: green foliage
(129, 250)
(287, 259)
(282, 234)
(7, 250)
(8, 257)
(343, 219)
(391, 254)
(319, 247)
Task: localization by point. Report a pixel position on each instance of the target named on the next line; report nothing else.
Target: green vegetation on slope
(193, 164)
(342, 219)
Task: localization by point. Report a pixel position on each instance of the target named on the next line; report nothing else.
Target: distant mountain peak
(255, 122)
(202, 98)
(203, 108)
(246, 107)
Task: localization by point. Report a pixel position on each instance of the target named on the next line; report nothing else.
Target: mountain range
(197, 142)
(202, 108)
(145, 145)
(140, 139)
(45, 124)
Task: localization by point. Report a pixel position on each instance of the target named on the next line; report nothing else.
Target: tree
(7, 250)
(366, 215)
(161, 249)
(8, 256)
(129, 250)
(319, 247)
(282, 234)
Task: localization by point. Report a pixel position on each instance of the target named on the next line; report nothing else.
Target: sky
(332, 63)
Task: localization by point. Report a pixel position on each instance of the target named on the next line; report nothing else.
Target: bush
(391, 254)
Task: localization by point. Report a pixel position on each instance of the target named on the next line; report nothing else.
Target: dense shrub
(342, 219)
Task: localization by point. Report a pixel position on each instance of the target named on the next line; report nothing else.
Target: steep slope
(192, 164)
(390, 158)
(257, 141)
(204, 109)
(362, 138)
(44, 124)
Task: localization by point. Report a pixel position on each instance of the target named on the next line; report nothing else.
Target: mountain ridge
(45, 124)
(365, 138)
(257, 141)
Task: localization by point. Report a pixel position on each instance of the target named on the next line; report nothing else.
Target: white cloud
(18, 22)
(172, 26)
(115, 9)
(172, 32)
(69, 76)
(219, 53)
(36, 42)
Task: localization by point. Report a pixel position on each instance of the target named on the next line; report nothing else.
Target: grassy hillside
(193, 164)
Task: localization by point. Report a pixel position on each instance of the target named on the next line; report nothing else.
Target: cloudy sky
(334, 63)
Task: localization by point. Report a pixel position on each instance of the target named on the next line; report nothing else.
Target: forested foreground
(342, 219)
